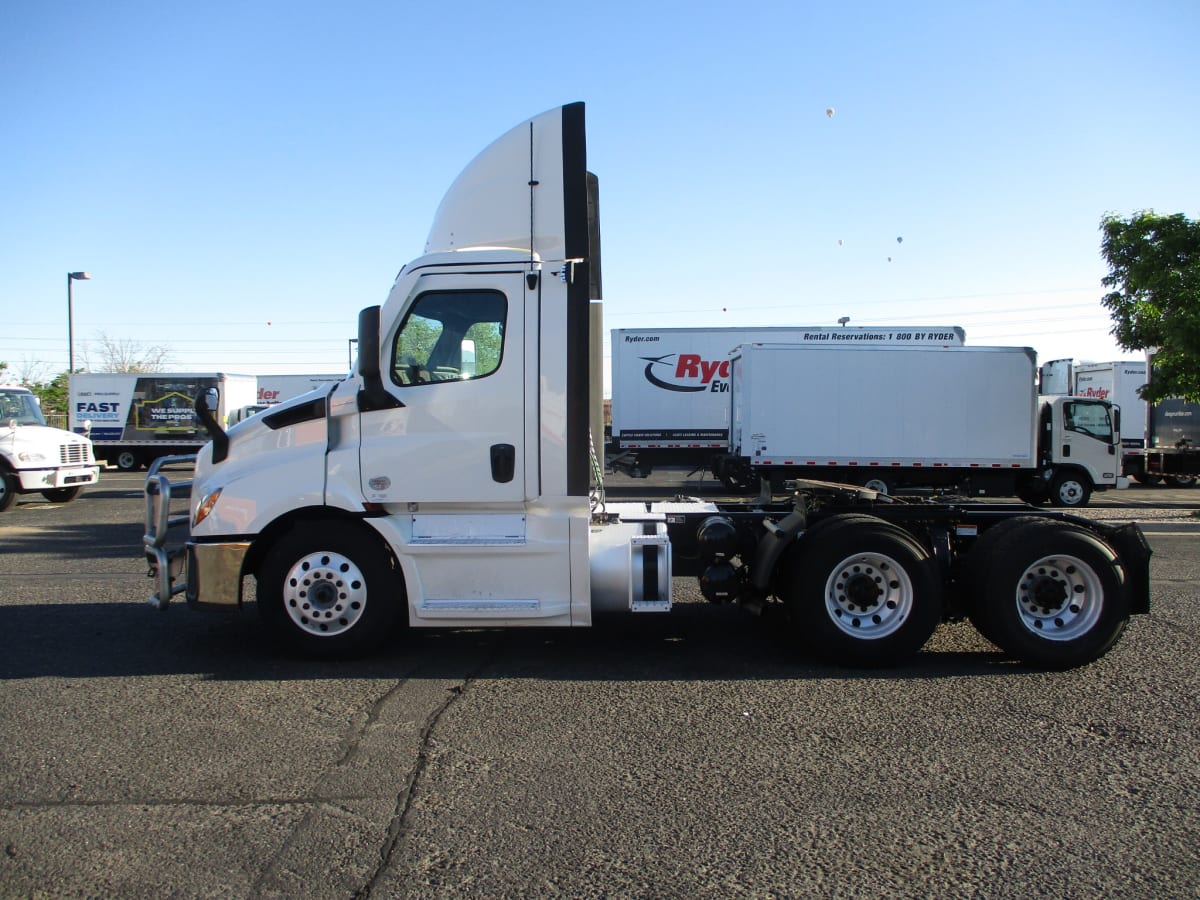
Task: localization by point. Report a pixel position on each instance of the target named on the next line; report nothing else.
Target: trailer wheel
(62, 495)
(329, 589)
(1182, 481)
(128, 461)
(8, 490)
(1051, 594)
(1070, 489)
(862, 592)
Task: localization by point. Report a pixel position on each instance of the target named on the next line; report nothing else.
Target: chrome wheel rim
(325, 594)
(869, 596)
(1059, 598)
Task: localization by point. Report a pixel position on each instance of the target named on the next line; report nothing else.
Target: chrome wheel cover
(325, 594)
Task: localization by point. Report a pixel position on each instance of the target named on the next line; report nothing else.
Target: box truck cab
(37, 459)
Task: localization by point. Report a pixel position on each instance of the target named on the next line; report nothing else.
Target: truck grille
(75, 453)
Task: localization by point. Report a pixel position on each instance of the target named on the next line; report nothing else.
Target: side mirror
(372, 395)
(207, 401)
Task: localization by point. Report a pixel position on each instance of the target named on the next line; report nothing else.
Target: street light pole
(72, 276)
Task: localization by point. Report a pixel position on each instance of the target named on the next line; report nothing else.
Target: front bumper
(214, 574)
(52, 479)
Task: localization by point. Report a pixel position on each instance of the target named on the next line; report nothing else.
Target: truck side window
(450, 336)
(1088, 418)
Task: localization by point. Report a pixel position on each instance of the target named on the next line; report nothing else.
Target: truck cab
(35, 458)
(452, 479)
(1080, 450)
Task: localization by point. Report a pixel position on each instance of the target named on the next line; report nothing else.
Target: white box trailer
(1118, 383)
(670, 386)
(891, 418)
(133, 419)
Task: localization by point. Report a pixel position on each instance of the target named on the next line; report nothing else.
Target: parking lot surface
(696, 754)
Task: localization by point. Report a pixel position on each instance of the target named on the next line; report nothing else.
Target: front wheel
(8, 490)
(1070, 490)
(862, 592)
(62, 495)
(1050, 594)
(330, 590)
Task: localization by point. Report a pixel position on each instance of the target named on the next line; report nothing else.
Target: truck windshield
(20, 407)
(1090, 419)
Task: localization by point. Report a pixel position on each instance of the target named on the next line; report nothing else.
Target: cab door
(456, 364)
(1088, 439)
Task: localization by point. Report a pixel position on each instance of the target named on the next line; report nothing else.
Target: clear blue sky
(240, 178)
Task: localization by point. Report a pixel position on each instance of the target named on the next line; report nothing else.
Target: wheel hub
(325, 593)
(1060, 598)
(869, 596)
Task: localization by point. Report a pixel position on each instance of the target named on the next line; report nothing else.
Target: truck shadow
(696, 642)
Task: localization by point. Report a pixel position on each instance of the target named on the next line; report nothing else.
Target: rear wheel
(863, 592)
(1185, 481)
(1050, 594)
(878, 484)
(128, 461)
(8, 490)
(62, 495)
(1148, 480)
(330, 589)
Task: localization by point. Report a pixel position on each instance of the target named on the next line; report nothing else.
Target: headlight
(206, 506)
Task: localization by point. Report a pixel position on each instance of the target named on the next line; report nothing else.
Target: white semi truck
(37, 459)
(670, 386)
(962, 419)
(451, 480)
(133, 419)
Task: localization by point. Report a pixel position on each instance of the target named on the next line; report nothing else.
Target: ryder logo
(689, 373)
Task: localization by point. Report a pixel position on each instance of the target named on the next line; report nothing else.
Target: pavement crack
(395, 830)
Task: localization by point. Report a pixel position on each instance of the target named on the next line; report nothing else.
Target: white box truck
(451, 481)
(965, 419)
(37, 459)
(1161, 441)
(136, 418)
(670, 386)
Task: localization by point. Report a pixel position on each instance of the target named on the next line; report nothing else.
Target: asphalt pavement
(697, 754)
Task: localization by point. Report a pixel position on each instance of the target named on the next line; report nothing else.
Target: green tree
(1154, 281)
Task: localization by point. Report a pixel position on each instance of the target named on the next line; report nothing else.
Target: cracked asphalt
(148, 754)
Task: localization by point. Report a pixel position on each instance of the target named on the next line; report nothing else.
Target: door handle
(504, 462)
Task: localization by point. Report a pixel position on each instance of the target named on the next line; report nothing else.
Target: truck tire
(128, 461)
(62, 495)
(330, 590)
(977, 570)
(1148, 480)
(1070, 489)
(1050, 594)
(1181, 481)
(878, 484)
(862, 592)
(8, 490)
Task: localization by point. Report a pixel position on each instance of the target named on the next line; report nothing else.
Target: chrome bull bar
(166, 562)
